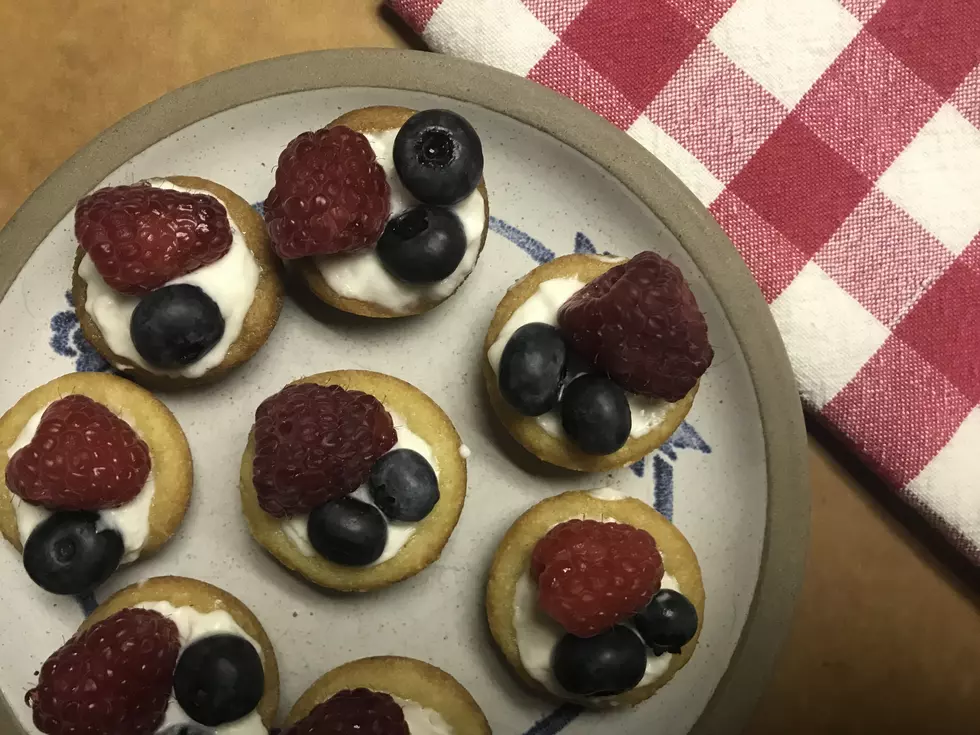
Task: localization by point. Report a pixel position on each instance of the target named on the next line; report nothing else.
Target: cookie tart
(354, 479)
(595, 598)
(390, 695)
(96, 472)
(384, 210)
(592, 362)
(174, 281)
(168, 656)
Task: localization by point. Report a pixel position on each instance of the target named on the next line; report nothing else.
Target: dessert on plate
(353, 479)
(595, 598)
(592, 362)
(94, 472)
(174, 281)
(167, 656)
(387, 694)
(384, 210)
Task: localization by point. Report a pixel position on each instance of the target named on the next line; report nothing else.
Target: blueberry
(404, 485)
(531, 369)
(438, 157)
(186, 728)
(596, 414)
(175, 325)
(219, 679)
(423, 245)
(348, 531)
(609, 663)
(67, 554)
(668, 622)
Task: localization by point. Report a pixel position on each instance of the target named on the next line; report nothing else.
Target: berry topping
(610, 663)
(438, 157)
(112, 679)
(70, 554)
(352, 711)
(532, 368)
(348, 531)
(219, 679)
(422, 245)
(668, 622)
(404, 485)
(315, 443)
(140, 237)
(175, 326)
(595, 414)
(639, 323)
(82, 457)
(331, 196)
(592, 575)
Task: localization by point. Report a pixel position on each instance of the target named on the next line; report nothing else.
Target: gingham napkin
(838, 144)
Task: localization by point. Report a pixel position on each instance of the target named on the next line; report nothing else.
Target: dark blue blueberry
(532, 367)
(67, 554)
(175, 326)
(668, 622)
(348, 531)
(404, 485)
(438, 157)
(610, 663)
(219, 679)
(423, 245)
(596, 414)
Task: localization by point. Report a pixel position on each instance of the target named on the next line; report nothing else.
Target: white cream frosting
(361, 275)
(131, 520)
(193, 625)
(230, 282)
(422, 720)
(399, 532)
(542, 306)
(465, 452)
(538, 634)
(607, 493)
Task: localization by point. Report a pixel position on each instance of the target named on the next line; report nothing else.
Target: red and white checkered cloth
(838, 144)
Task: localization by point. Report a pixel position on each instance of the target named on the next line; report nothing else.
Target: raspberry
(350, 711)
(83, 457)
(315, 443)
(331, 196)
(113, 679)
(141, 237)
(592, 575)
(639, 323)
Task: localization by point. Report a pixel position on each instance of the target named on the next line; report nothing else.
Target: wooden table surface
(886, 637)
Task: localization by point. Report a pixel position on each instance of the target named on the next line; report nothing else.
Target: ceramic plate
(560, 180)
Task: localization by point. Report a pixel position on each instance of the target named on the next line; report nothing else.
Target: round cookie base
(170, 455)
(513, 559)
(259, 321)
(559, 450)
(205, 598)
(377, 120)
(423, 417)
(406, 678)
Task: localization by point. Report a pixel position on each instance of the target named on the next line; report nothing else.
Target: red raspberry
(315, 443)
(350, 711)
(113, 679)
(331, 196)
(141, 237)
(83, 457)
(639, 323)
(592, 575)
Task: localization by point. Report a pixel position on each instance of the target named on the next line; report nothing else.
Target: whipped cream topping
(131, 520)
(192, 625)
(422, 720)
(542, 306)
(399, 532)
(229, 281)
(361, 275)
